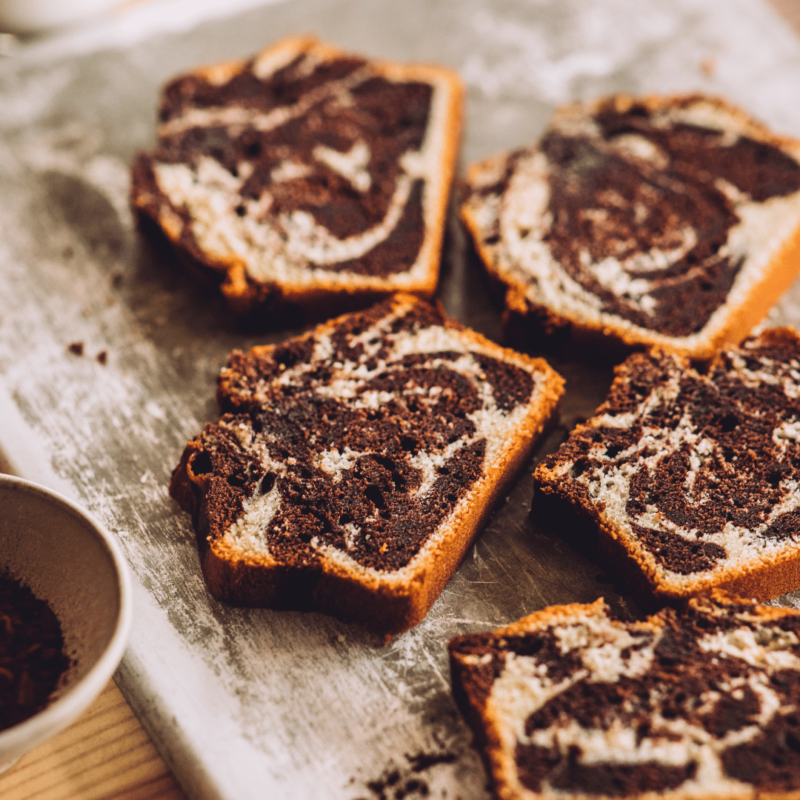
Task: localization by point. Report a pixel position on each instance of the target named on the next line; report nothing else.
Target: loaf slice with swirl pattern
(355, 464)
(570, 703)
(691, 477)
(306, 179)
(669, 221)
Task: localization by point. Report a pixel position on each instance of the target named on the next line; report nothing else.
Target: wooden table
(106, 753)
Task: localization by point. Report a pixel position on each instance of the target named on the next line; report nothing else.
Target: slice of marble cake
(306, 179)
(672, 221)
(692, 477)
(571, 703)
(355, 464)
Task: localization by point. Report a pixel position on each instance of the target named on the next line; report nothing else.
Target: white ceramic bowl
(69, 560)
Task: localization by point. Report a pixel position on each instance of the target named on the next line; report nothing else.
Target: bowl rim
(65, 709)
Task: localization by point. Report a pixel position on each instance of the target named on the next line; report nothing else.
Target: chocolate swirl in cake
(359, 441)
(653, 215)
(697, 472)
(702, 703)
(661, 203)
(305, 167)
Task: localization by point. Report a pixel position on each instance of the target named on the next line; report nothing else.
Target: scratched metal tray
(252, 703)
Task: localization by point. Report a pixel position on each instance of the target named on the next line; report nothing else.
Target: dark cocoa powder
(32, 657)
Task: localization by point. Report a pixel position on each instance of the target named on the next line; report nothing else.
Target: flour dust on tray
(692, 477)
(661, 220)
(355, 464)
(571, 703)
(306, 178)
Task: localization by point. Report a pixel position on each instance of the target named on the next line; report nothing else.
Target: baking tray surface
(248, 703)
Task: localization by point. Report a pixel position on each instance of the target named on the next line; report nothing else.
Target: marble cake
(672, 221)
(355, 464)
(570, 703)
(691, 477)
(305, 179)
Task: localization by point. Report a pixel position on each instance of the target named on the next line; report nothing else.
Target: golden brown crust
(325, 295)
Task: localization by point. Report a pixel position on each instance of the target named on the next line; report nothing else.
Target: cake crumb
(422, 761)
(405, 783)
(708, 66)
